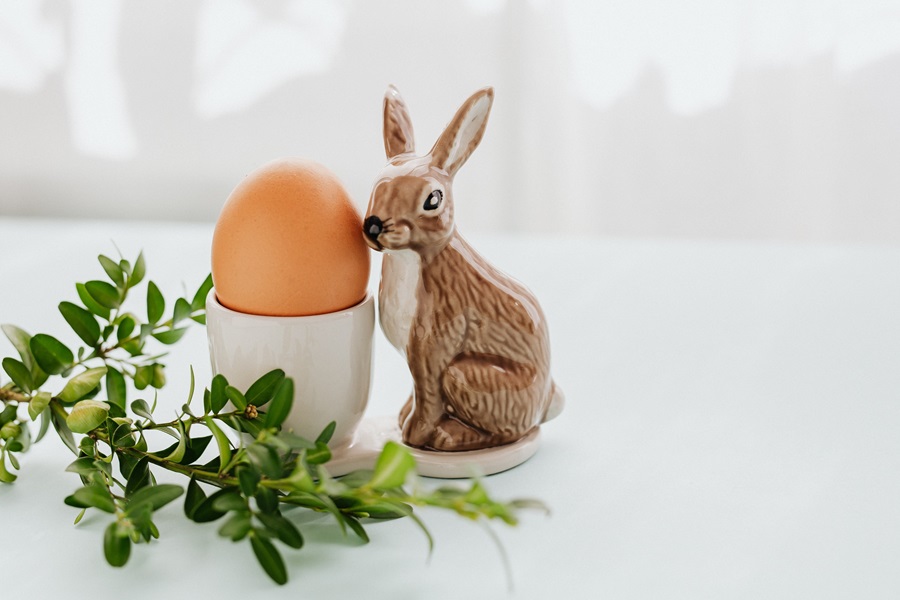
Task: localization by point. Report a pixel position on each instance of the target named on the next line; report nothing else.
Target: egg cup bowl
(329, 357)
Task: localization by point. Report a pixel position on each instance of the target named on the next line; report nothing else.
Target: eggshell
(289, 243)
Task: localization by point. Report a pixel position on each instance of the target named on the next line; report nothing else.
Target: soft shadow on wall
(743, 119)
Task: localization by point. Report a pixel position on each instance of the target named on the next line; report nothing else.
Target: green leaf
(191, 389)
(126, 267)
(248, 478)
(306, 500)
(199, 301)
(332, 508)
(145, 332)
(392, 467)
(229, 502)
(235, 396)
(154, 496)
(170, 336)
(139, 477)
(103, 293)
(116, 545)
(116, 390)
(252, 427)
(266, 500)
(38, 403)
(50, 354)
(45, 423)
(143, 376)
(81, 385)
(281, 403)
(87, 415)
(319, 455)
(92, 305)
(294, 441)
(300, 479)
(141, 409)
(92, 496)
(205, 512)
(82, 322)
(58, 418)
(83, 466)
(5, 475)
(13, 447)
(20, 339)
(159, 376)
(19, 373)
(86, 446)
(8, 414)
(384, 510)
(327, 433)
(125, 328)
(266, 459)
(269, 558)
(222, 441)
(182, 311)
(139, 270)
(123, 436)
(126, 464)
(282, 528)
(217, 397)
(156, 304)
(357, 528)
(112, 269)
(193, 499)
(177, 454)
(237, 527)
(262, 390)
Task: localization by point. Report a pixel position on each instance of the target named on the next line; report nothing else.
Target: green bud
(10, 431)
(86, 445)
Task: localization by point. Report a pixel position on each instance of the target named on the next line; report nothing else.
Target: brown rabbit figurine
(476, 340)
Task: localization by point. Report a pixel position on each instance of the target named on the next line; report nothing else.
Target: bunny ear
(464, 132)
(398, 130)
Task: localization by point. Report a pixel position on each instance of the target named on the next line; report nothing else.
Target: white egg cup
(329, 357)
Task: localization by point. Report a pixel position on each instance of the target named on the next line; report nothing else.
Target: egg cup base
(374, 432)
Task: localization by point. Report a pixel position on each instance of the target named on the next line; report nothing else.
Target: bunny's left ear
(464, 132)
(398, 129)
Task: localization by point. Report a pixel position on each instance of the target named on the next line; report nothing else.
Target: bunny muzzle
(386, 234)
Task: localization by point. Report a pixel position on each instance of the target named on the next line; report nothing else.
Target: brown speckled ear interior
(398, 129)
(464, 132)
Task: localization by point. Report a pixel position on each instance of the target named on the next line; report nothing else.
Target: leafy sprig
(241, 466)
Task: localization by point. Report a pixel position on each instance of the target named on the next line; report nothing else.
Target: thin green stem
(192, 420)
(199, 474)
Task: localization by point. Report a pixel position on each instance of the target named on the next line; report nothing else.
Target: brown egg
(289, 243)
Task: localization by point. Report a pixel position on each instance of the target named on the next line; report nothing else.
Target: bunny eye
(433, 200)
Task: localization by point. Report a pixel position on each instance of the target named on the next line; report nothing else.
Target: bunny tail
(557, 403)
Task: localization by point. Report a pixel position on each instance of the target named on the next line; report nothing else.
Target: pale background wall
(711, 118)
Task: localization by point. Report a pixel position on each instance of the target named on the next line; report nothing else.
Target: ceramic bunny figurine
(475, 339)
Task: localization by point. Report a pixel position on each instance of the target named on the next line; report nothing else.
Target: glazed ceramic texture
(476, 340)
(329, 357)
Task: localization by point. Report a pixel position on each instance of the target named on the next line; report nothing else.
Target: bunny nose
(373, 227)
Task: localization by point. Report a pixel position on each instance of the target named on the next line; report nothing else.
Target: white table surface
(732, 431)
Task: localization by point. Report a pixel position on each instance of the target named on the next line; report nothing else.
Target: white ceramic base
(374, 432)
